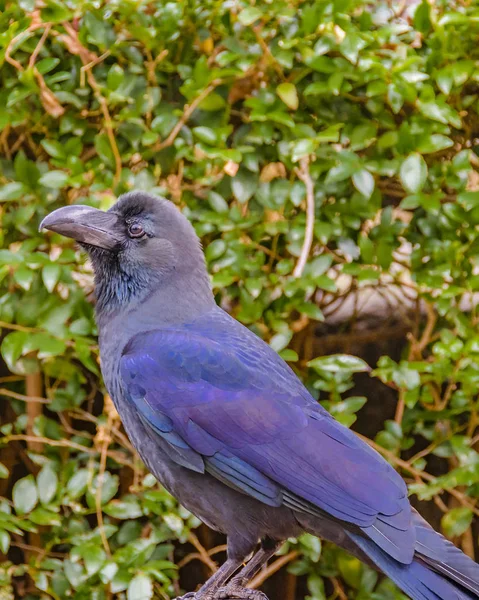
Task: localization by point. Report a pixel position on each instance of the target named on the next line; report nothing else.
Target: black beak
(86, 225)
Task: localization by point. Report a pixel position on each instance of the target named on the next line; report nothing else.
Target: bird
(227, 427)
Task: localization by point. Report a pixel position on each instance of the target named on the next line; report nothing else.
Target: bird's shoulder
(217, 347)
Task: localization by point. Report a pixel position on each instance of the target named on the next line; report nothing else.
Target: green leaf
(103, 148)
(74, 572)
(50, 275)
(78, 483)
(468, 200)
(249, 15)
(435, 143)
(54, 148)
(422, 17)
(140, 588)
(115, 77)
(413, 173)
(109, 487)
(54, 179)
(216, 249)
(279, 341)
(47, 64)
(41, 516)
(302, 148)
(244, 185)
(319, 265)
(12, 347)
(11, 191)
(4, 541)
(4, 473)
(217, 202)
(212, 102)
(46, 345)
(47, 483)
(364, 182)
(206, 135)
(94, 558)
(24, 277)
(288, 94)
(54, 11)
(123, 509)
(457, 521)
(339, 362)
(395, 97)
(24, 495)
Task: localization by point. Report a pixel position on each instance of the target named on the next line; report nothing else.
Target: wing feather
(232, 407)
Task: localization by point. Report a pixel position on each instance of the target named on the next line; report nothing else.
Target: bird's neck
(177, 300)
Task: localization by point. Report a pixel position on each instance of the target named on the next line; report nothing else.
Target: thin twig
(305, 176)
(203, 554)
(17, 327)
(76, 47)
(189, 110)
(35, 53)
(116, 456)
(104, 433)
(23, 397)
(272, 568)
(419, 473)
(338, 590)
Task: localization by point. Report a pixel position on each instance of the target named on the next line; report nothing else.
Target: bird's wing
(216, 408)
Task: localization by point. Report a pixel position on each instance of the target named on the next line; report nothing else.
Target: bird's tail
(439, 571)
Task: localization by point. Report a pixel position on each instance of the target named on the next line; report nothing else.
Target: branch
(272, 568)
(189, 110)
(23, 397)
(89, 60)
(103, 435)
(305, 176)
(418, 473)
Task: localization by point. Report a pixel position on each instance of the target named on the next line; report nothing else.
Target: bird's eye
(135, 230)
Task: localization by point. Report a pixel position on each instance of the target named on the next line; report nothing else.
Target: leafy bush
(323, 150)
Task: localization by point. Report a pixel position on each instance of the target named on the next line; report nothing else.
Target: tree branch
(305, 176)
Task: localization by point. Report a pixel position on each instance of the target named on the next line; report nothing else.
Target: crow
(225, 424)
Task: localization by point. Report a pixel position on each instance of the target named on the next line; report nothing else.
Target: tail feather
(442, 556)
(418, 579)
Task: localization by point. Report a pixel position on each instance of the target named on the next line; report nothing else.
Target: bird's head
(142, 243)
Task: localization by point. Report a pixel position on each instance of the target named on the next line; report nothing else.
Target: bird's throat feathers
(120, 287)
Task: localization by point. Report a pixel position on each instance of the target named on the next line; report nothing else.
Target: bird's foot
(237, 592)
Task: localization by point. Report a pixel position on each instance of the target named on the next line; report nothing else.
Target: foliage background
(326, 152)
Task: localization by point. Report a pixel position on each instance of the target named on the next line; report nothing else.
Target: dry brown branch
(116, 456)
(189, 110)
(99, 490)
(16, 327)
(33, 388)
(202, 553)
(428, 329)
(23, 397)
(47, 97)
(35, 53)
(338, 589)
(462, 498)
(271, 569)
(305, 176)
(9, 49)
(267, 51)
(399, 414)
(89, 60)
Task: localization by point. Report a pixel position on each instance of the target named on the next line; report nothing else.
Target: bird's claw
(234, 592)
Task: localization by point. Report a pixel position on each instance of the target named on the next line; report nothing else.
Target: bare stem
(305, 176)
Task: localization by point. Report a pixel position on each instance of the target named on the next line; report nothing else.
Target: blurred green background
(326, 152)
